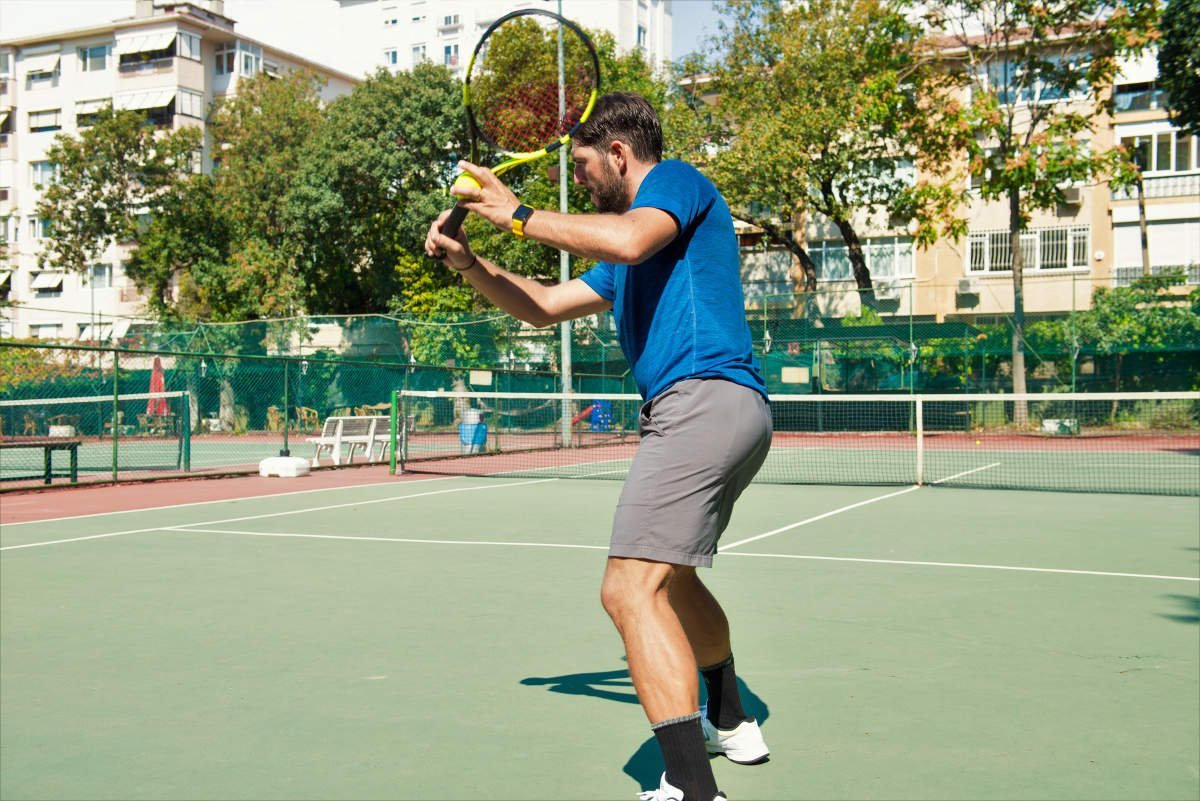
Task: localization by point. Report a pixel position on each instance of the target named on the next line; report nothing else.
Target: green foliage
(375, 178)
(1039, 76)
(34, 366)
(817, 107)
(224, 240)
(537, 184)
(1179, 62)
(111, 173)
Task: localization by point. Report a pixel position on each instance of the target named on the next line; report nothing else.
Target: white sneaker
(743, 745)
(668, 792)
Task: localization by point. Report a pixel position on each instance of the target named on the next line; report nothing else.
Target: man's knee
(632, 584)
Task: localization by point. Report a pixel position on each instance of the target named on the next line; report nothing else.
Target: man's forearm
(517, 295)
(628, 238)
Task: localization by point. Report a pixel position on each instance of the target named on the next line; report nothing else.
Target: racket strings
(515, 92)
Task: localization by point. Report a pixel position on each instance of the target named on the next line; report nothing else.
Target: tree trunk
(858, 262)
(1141, 192)
(226, 413)
(1020, 408)
(782, 237)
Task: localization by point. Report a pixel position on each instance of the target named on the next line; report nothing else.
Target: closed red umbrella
(158, 383)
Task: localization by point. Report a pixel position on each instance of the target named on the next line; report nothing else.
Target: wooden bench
(341, 436)
(48, 446)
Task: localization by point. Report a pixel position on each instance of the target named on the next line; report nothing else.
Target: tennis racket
(512, 91)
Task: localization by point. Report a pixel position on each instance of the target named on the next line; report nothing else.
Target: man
(668, 268)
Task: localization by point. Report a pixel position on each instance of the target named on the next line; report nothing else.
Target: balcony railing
(1180, 185)
(1125, 276)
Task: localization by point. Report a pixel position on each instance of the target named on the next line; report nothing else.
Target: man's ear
(620, 153)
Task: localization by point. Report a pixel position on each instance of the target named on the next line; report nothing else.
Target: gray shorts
(702, 442)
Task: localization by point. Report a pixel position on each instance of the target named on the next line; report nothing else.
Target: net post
(286, 415)
(392, 434)
(116, 409)
(186, 443)
(920, 412)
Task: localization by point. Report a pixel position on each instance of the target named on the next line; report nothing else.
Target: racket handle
(454, 221)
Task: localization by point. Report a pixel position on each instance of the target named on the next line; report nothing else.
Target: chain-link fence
(224, 396)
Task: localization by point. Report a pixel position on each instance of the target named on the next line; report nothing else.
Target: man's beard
(609, 192)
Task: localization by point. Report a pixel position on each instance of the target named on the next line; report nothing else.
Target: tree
(107, 177)
(221, 247)
(825, 107)
(376, 175)
(1040, 74)
(1179, 63)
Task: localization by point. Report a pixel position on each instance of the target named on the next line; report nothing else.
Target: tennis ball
(976, 442)
(466, 181)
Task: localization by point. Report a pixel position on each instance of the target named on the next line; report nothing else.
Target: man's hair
(627, 117)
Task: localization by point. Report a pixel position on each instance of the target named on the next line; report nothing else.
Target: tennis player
(668, 269)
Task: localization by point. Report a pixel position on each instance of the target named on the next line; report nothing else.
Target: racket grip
(454, 221)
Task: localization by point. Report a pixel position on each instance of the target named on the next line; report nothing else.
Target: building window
(189, 46)
(418, 54)
(887, 257)
(100, 276)
(226, 58)
(450, 55)
(1044, 249)
(641, 36)
(45, 330)
(39, 229)
(87, 112)
(189, 103)
(450, 21)
(250, 59)
(94, 59)
(1138, 97)
(42, 173)
(389, 57)
(1163, 152)
(47, 120)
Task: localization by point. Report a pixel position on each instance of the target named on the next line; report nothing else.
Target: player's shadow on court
(645, 766)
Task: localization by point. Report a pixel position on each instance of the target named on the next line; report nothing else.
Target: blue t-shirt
(680, 314)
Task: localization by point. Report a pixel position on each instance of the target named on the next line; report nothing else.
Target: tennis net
(1145, 443)
(144, 431)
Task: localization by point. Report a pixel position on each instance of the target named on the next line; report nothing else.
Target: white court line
(277, 514)
(966, 565)
(356, 538)
(966, 473)
(815, 518)
(806, 521)
(223, 500)
(406, 540)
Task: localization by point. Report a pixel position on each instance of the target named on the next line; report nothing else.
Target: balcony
(1180, 185)
(1125, 276)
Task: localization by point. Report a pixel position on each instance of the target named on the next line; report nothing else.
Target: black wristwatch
(519, 218)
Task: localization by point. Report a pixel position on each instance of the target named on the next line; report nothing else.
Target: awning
(47, 62)
(47, 280)
(101, 332)
(145, 43)
(154, 98)
(91, 106)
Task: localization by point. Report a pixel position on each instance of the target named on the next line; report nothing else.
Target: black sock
(686, 760)
(724, 704)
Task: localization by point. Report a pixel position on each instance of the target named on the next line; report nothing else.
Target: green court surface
(443, 639)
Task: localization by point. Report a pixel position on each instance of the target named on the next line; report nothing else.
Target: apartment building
(445, 31)
(1091, 240)
(170, 60)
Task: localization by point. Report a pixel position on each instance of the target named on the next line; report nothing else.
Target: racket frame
(459, 212)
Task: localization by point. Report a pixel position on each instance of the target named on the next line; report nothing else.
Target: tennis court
(440, 637)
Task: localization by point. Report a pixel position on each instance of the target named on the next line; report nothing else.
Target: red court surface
(67, 501)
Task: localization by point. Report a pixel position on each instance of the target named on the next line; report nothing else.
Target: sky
(691, 20)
